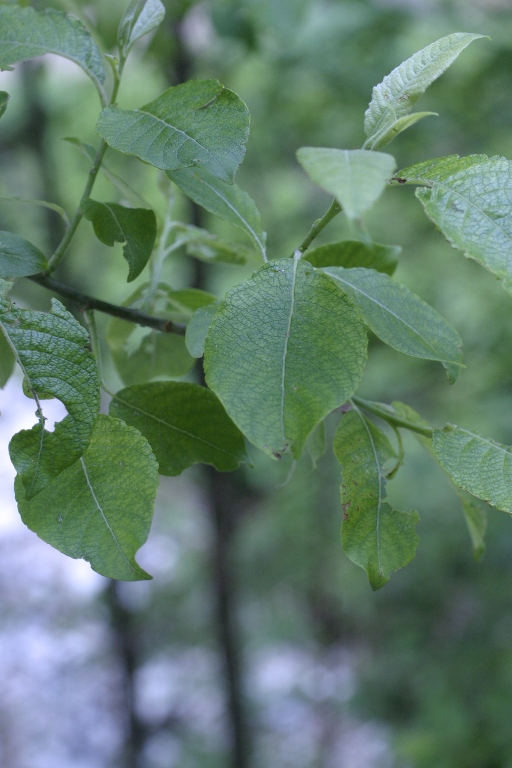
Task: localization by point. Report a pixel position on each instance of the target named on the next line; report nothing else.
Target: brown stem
(125, 313)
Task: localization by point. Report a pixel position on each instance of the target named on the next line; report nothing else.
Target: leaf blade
(134, 227)
(284, 348)
(139, 18)
(375, 536)
(354, 253)
(197, 123)
(229, 202)
(477, 464)
(355, 176)
(184, 423)
(25, 33)
(18, 257)
(468, 199)
(51, 349)
(400, 318)
(84, 515)
(394, 98)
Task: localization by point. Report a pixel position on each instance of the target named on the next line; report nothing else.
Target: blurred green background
(329, 674)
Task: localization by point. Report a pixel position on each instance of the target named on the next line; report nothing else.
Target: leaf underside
(477, 464)
(393, 99)
(356, 177)
(468, 198)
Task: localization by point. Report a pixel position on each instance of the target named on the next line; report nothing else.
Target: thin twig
(84, 302)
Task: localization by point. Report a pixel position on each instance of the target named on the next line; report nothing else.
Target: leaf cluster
(282, 349)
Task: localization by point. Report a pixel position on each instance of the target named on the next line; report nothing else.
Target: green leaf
(100, 508)
(394, 98)
(353, 253)
(51, 349)
(210, 248)
(18, 257)
(135, 227)
(475, 514)
(141, 354)
(284, 348)
(185, 424)
(400, 318)
(182, 304)
(7, 361)
(25, 33)
(468, 198)
(477, 464)
(141, 17)
(198, 123)
(356, 177)
(203, 245)
(198, 328)
(397, 127)
(316, 444)
(375, 536)
(228, 202)
(4, 100)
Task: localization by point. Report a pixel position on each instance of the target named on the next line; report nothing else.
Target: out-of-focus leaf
(100, 508)
(353, 253)
(197, 123)
(284, 348)
(120, 184)
(355, 176)
(141, 354)
(25, 33)
(4, 100)
(475, 514)
(198, 327)
(18, 257)
(316, 444)
(7, 361)
(185, 424)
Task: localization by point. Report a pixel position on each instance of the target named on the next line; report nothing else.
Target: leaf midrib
(102, 514)
(397, 317)
(141, 114)
(380, 476)
(406, 86)
(172, 426)
(238, 214)
(287, 338)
